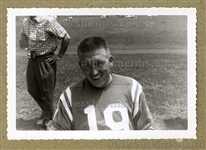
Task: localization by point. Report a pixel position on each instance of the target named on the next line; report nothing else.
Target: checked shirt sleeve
(56, 29)
(23, 42)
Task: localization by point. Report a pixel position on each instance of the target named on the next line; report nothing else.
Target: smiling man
(95, 64)
(101, 101)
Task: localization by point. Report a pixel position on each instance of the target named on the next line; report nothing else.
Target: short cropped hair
(90, 44)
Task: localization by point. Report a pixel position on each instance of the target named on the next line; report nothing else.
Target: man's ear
(111, 61)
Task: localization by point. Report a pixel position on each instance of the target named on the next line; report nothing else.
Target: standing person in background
(102, 100)
(39, 35)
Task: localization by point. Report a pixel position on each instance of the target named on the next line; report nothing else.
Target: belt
(40, 54)
(34, 55)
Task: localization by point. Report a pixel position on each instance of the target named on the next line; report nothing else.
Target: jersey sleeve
(142, 117)
(56, 29)
(63, 119)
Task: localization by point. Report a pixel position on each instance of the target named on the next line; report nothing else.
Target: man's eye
(84, 64)
(100, 64)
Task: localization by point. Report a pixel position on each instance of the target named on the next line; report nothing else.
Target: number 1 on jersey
(91, 116)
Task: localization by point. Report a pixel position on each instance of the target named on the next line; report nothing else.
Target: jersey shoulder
(120, 79)
(76, 85)
(125, 80)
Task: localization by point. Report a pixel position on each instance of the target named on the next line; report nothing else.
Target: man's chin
(95, 84)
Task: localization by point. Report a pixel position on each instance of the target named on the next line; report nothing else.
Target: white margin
(13, 134)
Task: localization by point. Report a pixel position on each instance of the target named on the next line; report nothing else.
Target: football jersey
(119, 106)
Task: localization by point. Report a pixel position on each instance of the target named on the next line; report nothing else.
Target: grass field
(141, 33)
(163, 76)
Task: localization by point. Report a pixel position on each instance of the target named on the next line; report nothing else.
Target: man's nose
(93, 71)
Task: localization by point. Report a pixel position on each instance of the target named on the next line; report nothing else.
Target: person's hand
(52, 58)
(28, 53)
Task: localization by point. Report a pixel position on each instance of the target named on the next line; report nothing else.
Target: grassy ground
(142, 33)
(163, 76)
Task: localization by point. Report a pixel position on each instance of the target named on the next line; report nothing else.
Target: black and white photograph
(101, 73)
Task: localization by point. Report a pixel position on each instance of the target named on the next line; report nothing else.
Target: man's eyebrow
(84, 61)
(100, 60)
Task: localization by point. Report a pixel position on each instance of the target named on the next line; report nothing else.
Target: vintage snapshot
(101, 73)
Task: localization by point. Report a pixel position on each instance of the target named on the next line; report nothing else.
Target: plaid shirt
(42, 34)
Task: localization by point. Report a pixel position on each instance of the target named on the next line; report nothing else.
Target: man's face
(96, 67)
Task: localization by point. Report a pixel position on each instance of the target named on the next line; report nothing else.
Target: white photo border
(13, 134)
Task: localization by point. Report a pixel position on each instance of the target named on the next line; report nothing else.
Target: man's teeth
(95, 78)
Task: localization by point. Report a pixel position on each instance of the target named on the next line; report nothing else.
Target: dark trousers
(41, 80)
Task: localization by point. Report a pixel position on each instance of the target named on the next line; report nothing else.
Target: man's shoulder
(45, 19)
(77, 84)
(120, 79)
(48, 18)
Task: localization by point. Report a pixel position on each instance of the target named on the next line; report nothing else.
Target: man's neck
(105, 87)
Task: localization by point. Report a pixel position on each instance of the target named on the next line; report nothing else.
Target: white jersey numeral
(109, 121)
(91, 115)
(124, 124)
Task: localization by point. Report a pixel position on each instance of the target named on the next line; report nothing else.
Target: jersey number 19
(109, 121)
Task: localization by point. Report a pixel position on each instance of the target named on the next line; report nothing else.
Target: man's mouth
(96, 77)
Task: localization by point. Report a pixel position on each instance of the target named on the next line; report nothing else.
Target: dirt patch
(176, 123)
